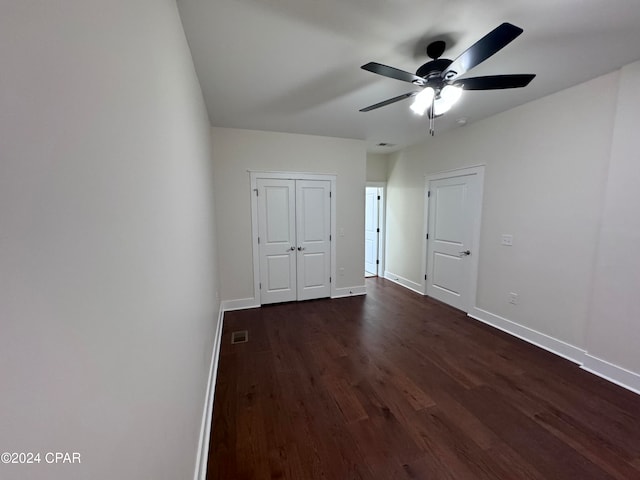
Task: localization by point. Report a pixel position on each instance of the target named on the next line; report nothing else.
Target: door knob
(292, 248)
(465, 253)
(300, 249)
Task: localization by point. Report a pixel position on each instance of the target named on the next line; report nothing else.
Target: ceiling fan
(440, 79)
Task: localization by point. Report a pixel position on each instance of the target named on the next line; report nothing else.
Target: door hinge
(377, 262)
(378, 197)
(427, 236)
(377, 230)
(329, 237)
(260, 286)
(256, 190)
(258, 240)
(329, 193)
(429, 194)
(329, 279)
(425, 276)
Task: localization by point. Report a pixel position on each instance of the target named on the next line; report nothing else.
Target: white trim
(202, 457)
(601, 368)
(613, 373)
(254, 238)
(239, 304)
(382, 224)
(455, 172)
(349, 291)
(254, 175)
(416, 287)
(475, 257)
(286, 175)
(425, 242)
(553, 345)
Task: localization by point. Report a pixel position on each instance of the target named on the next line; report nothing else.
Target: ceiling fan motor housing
(433, 67)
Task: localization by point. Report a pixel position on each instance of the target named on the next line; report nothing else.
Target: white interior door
(313, 230)
(294, 239)
(371, 230)
(453, 206)
(277, 240)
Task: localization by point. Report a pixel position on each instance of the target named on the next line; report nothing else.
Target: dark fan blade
(393, 73)
(482, 49)
(495, 82)
(389, 102)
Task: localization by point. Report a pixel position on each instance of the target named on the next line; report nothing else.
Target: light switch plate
(507, 240)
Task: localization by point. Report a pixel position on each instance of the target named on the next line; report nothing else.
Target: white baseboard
(202, 457)
(416, 287)
(349, 291)
(553, 345)
(615, 374)
(239, 304)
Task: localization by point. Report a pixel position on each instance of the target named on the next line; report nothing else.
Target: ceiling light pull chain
(432, 117)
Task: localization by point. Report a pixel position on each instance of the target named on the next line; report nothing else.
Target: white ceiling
(294, 65)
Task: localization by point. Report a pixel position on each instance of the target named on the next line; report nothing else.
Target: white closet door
(313, 230)
(277, 240)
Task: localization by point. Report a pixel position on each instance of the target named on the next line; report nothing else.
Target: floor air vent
(241, 336)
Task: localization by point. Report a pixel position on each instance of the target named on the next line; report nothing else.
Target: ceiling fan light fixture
(451, 94)
(422, 101)
(441, 107)
(448, 96)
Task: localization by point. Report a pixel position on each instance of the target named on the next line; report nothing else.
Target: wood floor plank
(444, 432)
(510, 461)
(346, 399)
(551, 456)
(589, 444)
(394, 385)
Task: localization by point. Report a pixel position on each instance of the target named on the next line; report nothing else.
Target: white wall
(561, 176)
(377, 167)
(546, 165)
(614, 329)
(236, 151)
(107, 265)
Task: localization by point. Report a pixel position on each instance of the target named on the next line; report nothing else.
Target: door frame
(382, 210)
(477, 223)
(254, 175)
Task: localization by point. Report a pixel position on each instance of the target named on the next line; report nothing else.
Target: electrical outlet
(507, 240)
(513, 298)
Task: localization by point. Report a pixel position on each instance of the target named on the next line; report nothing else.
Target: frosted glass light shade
(448, 96)
(451, 94)
(422, 101)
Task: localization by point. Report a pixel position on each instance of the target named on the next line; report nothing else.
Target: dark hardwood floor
(398, 386)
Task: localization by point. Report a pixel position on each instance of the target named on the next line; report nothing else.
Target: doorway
(374, 230)
(453, 206)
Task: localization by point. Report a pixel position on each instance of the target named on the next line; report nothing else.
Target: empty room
(291, 239)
